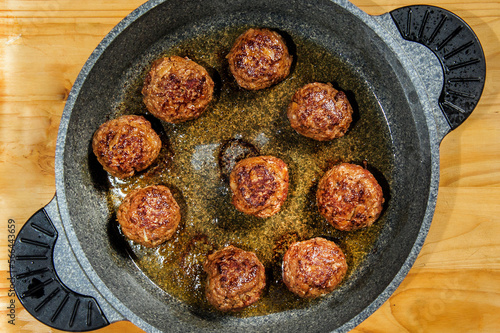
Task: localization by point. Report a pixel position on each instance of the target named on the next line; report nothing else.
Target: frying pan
(423, 65)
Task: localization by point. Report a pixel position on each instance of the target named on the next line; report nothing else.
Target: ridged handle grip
(459, 51)
(38, 287)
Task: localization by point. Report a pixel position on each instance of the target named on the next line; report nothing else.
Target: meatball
(259, 185)
(126, 145)
(313, 267)
(259, 58)
(320, 112)
(349, 197)
(236, 279)
(149, 215)
(177, 89)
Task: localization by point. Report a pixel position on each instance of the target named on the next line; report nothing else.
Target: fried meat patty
(149, 215)
(313, 267)
(349, 197)
(259, 58)
(126, 145)
(259, 185)
(236, 279)
(320, 112)
(177, 89)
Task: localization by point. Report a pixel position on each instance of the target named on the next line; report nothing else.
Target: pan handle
(39, 287)
(459, 51)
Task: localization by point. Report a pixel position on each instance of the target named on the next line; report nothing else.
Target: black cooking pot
(422, 65)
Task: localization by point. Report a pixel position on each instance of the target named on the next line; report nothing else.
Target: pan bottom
(188, 166)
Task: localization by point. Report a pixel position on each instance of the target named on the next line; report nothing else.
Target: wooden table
(454, 285)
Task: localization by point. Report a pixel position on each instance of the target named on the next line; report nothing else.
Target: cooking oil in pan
(188, 165)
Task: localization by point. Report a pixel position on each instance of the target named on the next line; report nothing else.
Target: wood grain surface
(454, 285)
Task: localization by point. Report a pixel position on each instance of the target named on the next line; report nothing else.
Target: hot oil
(188, 165)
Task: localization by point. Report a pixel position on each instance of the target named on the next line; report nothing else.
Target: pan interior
(387, 133)
(189, 167)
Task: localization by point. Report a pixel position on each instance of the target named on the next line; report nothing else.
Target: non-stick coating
(82, 198)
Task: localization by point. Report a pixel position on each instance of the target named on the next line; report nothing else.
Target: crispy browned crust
(259, 185)
(349, 197)
(314, 267)
(259, 58)
(126, 145)
(149, 215)
(236, 279)
(177, 89)
(320, 112)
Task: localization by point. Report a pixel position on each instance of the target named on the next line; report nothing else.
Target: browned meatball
(320, 112)
(149, 215)
(314, 267)
(236, 279)
(349, 197)
(126, 145)
(259, 185)
(177, 89)
(259, 58)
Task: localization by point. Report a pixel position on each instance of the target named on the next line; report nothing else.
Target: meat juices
(320, 112)
(259, 58)
(126, 145)
(177, 89)
(259, 185)
(349, 197)
(149, 215)
(314, 267)
(236, 279)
